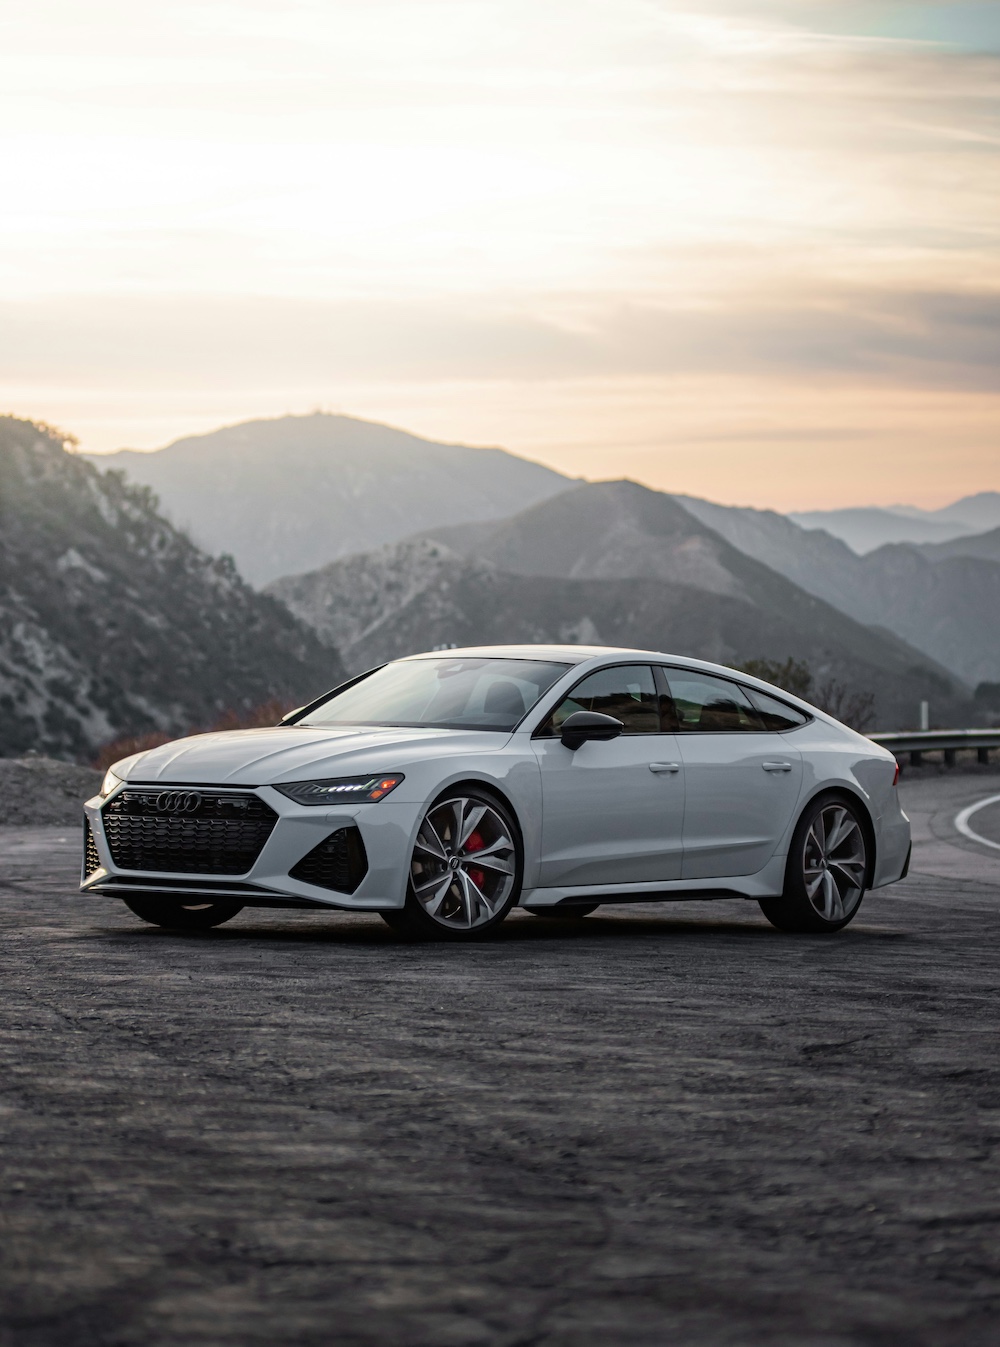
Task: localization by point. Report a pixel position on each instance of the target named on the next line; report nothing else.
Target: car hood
(288, 753)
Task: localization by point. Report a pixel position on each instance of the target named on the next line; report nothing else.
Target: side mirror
(584, 725)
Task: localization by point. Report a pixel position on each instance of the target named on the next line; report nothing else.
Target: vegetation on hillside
(850, 706)
(112, 622)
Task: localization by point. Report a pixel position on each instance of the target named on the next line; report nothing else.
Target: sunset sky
(746, 249)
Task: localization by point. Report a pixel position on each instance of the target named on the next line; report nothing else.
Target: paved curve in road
(669, 1124)
(980, 821)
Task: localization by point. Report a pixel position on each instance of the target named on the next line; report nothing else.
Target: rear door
(741, 779)
(613, 812)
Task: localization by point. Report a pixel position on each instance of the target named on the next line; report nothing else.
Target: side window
(775, 715)
(706, 704)
(626, 691)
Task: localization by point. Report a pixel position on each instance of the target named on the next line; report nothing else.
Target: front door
(612, 812)
(741, 780)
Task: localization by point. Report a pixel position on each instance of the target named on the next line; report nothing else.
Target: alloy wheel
(834, 863)
(464, 863)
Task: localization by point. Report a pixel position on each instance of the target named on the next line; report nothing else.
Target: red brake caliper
(475, 842)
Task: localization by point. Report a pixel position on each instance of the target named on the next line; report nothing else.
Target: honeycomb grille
(338, 863)
(91, 860)
(186, 831)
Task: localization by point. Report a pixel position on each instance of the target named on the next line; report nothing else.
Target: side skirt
(667, 896)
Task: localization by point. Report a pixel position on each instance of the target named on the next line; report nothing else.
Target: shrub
(793, 675)
(854, 709)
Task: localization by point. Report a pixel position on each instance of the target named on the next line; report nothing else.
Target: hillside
(291, 494)
(985, 546)
(612, 563)
(112, 622)
(942, 598)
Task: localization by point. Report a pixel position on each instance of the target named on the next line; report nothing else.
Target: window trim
(538, 731)
(744, 688)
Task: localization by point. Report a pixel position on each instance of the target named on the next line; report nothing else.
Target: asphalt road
(666, 1125)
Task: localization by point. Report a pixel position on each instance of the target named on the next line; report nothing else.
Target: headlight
(110, 783)
(341, 789)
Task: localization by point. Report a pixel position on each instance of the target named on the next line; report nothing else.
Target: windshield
(445, 694)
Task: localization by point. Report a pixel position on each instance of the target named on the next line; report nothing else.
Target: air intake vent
(91, 860)
(181, 830)
(338, 863)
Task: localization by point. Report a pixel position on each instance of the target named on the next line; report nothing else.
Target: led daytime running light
(363, 789)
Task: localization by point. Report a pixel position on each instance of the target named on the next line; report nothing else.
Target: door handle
(776, 766)
(664, 767)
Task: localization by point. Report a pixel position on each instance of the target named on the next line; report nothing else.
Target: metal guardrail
(948, 742)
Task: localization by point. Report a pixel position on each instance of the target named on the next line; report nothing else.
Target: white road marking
(962, 822)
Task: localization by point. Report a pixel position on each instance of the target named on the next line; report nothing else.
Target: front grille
(181, 830)
(91, 860)
(339, 862)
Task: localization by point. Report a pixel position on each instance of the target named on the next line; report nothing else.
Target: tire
(827, 869)
(182, 916)
(564, 911)
(465, 870)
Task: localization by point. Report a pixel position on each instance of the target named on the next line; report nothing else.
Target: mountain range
(113, 623)
(943, 598)
(864, 528)
(289, 494)
(606, 563)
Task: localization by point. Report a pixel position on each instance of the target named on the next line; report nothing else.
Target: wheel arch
(867, 822)
(489, 787)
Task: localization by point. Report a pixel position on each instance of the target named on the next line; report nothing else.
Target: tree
(856, 709)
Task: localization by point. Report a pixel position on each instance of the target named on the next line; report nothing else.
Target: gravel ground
(660, 1125)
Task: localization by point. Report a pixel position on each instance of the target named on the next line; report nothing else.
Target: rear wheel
(826, 872)
(465, 871)
(182, 916)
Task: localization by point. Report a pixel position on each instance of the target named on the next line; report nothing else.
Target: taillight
(895, 775)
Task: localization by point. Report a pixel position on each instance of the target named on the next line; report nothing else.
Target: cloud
(248, 195)
(932, 339)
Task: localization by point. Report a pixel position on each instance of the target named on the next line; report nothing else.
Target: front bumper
(388, 829)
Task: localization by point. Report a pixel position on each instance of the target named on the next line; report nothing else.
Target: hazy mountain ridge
(113, 622)
(505, 585)
(984, 546)
(291, 494)
(349, 601)
(943, 599)
(609, 531)
(864, 528)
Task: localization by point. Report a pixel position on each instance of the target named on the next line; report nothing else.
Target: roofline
(587, 654)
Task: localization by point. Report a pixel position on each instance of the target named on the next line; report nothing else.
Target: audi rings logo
(178, 802)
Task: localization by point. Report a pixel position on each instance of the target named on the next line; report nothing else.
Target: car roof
(579, 655)
(564, 654)
(586, 654)
(575, 654)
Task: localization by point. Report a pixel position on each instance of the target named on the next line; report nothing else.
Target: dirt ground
(662, 1125)
(37, 790)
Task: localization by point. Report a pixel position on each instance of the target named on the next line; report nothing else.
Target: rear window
(775, 715)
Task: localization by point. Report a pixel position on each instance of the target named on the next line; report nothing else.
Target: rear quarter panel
(834, 757)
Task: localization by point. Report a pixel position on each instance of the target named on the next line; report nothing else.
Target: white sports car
(444, 789)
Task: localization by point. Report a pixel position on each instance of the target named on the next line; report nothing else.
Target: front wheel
(465, 871)
(826, 872)
(182, 916)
